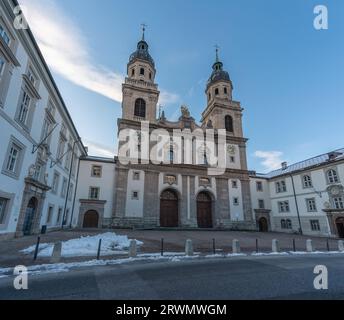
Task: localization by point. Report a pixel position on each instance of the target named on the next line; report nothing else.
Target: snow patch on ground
(112, 244)
(270, 254)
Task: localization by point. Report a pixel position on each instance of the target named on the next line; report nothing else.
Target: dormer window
(142, 71)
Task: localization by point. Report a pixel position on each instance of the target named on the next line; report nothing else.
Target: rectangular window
(259, 186)
(3, 205)
(50, 214)
(96, 171)
(234, 184)
(4, 35)
(68, 158)
(281, 186)
(232, 159)
(2, 65)
(311, 205)
(236, 201)
(135, 195)
(283, 206)
(64, 188)
(55, 185)
(94, 193)
(24, 108)
(59, 215)
(71, 189)
(13, 157)
(60, 148)
(315, 225)
(338, 203)
(261, 204)
(136, 176)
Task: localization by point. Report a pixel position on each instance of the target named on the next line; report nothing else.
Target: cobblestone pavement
(174, 241)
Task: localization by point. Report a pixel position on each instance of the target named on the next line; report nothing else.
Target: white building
(40, 146)
(95, 192)
(307, 196)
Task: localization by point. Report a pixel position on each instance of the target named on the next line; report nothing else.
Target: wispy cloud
(67, 53)
(97, 149)
(271, 160)
(167, 98)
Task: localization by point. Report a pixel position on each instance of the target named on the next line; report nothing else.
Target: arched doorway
(29, 216)
(263, 225)
(204, 210)
(91, 219)
(340, 227)
(169, 216)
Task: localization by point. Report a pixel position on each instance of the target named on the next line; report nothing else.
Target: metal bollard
(36, 249)
(99, 248)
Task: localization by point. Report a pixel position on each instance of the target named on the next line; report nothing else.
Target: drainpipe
(296, 204)
(76, 186)
(68, 185)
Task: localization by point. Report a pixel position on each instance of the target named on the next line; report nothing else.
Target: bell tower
(140, 92)
(221, 111)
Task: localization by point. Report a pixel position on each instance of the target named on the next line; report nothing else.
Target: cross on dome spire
(144, 26)
(217, 52)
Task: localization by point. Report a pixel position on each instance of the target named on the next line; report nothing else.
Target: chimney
(333, 155)
(284, 165)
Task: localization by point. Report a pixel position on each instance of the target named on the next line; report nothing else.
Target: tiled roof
(313, 162)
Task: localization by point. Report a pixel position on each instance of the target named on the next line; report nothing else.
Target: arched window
(288, 224)
(140, 108)
(332, 176)
(150, 76)
(142, 71)
(216, 91)
(132, 72)
(225, 90)
(171, 155)
(307, 181)
(229, 124)
(283, 224)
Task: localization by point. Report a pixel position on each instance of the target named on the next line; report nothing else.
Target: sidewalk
(174, 241)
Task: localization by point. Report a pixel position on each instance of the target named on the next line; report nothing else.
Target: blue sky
(288, 76)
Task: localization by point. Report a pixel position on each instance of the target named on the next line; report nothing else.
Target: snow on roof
(316, 161)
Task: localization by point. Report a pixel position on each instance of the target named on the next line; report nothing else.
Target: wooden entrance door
(91, 219)
(169, 217)
(263, 225)
(340, 227)
(29, 216)
(204, 211)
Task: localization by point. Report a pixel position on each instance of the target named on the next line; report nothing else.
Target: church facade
(181, 193)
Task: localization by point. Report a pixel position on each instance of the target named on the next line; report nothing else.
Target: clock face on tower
(231, 149)
(335, 190)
